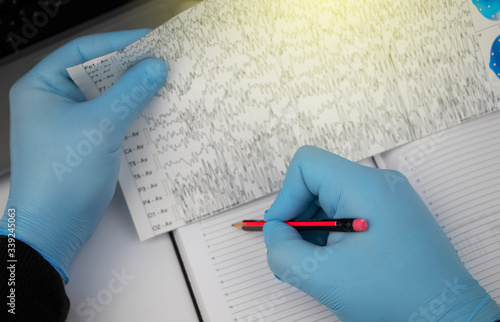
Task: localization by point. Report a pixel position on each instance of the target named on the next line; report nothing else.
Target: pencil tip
(238, 225)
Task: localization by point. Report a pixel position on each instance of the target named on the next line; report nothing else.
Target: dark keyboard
(25, 22)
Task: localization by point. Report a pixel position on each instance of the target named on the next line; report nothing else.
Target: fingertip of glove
(271, 214)
(156, 69)
(276, 231)
(267, 230)
(141, 32)
(269, 226)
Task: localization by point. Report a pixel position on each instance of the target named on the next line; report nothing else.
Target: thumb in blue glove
(403, 268)
(65, 151)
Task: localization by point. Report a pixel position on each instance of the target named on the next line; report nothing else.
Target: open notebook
(457, 174)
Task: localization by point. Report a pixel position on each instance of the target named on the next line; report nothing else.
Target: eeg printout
(251, 81)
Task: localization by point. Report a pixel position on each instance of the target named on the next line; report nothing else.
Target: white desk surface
(156, 289)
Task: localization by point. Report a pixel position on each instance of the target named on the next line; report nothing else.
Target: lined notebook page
(228, 271)
(457, 174)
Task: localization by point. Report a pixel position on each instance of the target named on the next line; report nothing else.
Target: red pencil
(338, 225)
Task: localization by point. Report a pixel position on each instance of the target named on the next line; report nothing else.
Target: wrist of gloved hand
(457, 300)
(54, 240)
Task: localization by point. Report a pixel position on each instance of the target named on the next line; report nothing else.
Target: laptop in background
(31, 29)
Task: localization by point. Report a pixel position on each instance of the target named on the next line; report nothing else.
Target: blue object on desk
(488, 8)
(495, 57)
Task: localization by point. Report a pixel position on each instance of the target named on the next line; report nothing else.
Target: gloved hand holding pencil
(403, 268)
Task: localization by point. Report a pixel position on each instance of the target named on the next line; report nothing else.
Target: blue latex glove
(65, 151)
(403, 268)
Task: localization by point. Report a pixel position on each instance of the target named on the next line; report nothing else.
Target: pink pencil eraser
(359, 225)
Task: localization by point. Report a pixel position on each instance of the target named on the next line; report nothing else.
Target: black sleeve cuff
(29, 286)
